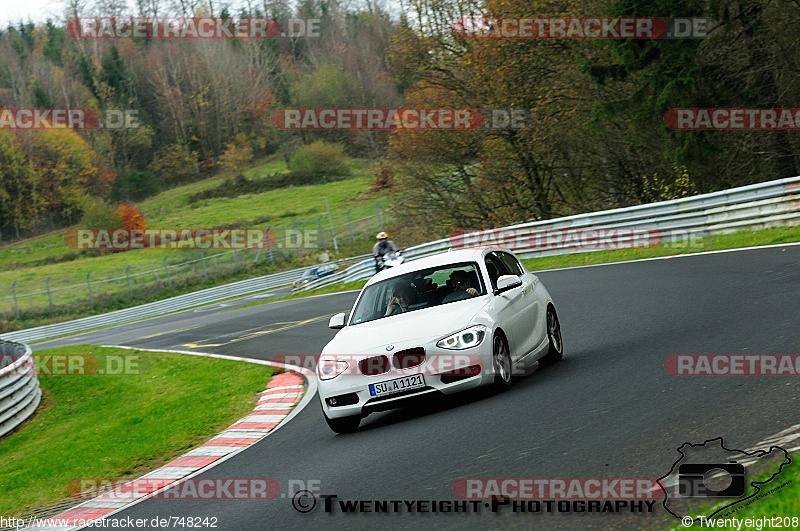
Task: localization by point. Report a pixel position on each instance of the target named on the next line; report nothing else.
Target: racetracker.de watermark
(588, 239)
(732, 119)
(75, 364)
(733, 364)
(441, 119)
(190, 28)
(169, 489)
(395, 363)
(582, 28)
(76, 119)
(128, 239)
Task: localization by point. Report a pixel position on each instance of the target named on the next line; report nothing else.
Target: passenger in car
(400, 300)
(462, 281)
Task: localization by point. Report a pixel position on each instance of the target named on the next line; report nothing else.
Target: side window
(496, 268)
(511, 263)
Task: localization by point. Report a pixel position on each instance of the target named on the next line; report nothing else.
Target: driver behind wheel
(461, 281)
(401, 298)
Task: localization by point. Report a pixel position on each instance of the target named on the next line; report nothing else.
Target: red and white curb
(284, 397)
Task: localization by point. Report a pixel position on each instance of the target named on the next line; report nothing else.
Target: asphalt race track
(609, 409)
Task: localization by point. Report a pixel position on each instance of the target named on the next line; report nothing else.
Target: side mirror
(507, 282)
(337, 321)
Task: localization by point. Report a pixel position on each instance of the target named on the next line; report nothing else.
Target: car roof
(440, 259)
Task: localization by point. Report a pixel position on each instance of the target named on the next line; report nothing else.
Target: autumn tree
(742, 63)
(175, 164)
(131, 218)
(319, 160)
(236, 155)
(19, 203)
(494, 174)
(65, 165)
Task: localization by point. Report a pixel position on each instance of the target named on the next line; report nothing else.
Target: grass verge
(122, 425)
(783, 502)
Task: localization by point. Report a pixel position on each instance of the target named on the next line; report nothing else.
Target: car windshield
(420, 289)
(309, 273)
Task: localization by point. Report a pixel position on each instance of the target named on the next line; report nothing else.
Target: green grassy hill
(30, 262)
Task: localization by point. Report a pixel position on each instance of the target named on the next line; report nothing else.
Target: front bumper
(353, 398)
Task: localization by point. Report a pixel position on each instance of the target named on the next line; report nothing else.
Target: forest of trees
(598, 137)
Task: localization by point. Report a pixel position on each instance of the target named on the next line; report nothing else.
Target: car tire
(343, 424)
(501, 359)
(556, 350)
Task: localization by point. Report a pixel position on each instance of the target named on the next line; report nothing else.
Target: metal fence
(168, 268)
(330, 233)
(20, 393)
(749, 207)
(161, 307)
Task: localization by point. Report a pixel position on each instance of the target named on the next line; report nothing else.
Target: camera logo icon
(694, 479)
(709, 470)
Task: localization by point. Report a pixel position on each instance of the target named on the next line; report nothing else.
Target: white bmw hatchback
(441, 324)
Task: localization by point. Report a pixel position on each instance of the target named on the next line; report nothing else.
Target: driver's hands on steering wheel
(471, 291)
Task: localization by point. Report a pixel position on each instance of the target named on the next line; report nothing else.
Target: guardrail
(20, 393)
(152, 309)
(748, 207)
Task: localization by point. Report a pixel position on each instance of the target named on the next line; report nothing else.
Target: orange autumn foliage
(132, 219)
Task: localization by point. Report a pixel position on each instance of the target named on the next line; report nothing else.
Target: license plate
(396, 386)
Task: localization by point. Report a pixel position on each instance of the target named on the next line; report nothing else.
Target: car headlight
(471, 337)
(329, 368)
